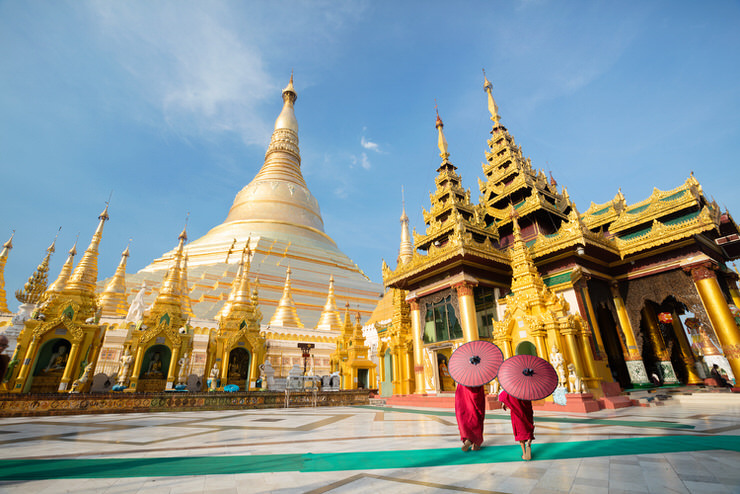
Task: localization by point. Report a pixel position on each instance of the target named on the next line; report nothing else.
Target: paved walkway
(688, 445)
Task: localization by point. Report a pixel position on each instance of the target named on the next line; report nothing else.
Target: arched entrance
(445, 380)
(526, 348)
(154, 368)
(238, 374)
(51, 361)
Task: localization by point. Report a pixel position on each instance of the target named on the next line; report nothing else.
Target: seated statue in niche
(58, 360)
(155, 366)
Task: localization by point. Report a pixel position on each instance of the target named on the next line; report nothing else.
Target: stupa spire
(35, 287)
(3, 259)
(286, 315)
(187, 309)
(235, 286)
(441, 141)
(242, 306)
(112, 301)
(85, 275)
(65, 273)
(492, 107)
(170, 292)
(330, 319)
(406, 249)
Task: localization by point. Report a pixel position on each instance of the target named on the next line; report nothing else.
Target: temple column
(172, 371)
(583, 339)
(418, 347)
(25, 367)
(571, 344)
(686, 354)
(408, 381)
(504, 343)
(734, 292)
(656, 337)
(134, 379)
(540, 341)
(719, 314)
(633, 359)
(467, 311)
(70, 366)
(587, 308)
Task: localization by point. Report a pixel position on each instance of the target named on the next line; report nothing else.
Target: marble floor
(690, 444)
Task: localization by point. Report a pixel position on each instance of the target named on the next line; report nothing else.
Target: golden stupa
(278, 219)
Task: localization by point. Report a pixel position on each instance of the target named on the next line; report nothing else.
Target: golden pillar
(632, 357)
(172, 371)
(540, 341)
(587, 354)
(625, 325)
(686, 354)
(20, 381)
(719, 313)
(408, 386)
(504, 343)
(582, 288)
(571, 343)
(70, 366)
(467, 311)
(396, 365)
(134, 379)
(418, 347)
(661, 351)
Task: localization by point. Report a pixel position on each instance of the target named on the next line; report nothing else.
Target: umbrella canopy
(527, 377)
(475, 363)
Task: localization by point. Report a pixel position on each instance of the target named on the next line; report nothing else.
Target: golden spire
(347, 328)
(170, 293)
(235, 286)
(487, 87)
(406, 250)
(35, 287)
(286, 315)
(286, 125)
(3, 259)
(358, 336)
(187, 309)
(64, 274)
(329, 319)
(85, 275)
(242, 305)
(112, 301)
(441, 142)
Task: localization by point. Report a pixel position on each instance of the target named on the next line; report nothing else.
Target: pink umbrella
(527, 377)
(475, 363)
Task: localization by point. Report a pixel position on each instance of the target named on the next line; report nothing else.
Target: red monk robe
(470, 411)
(522, 416)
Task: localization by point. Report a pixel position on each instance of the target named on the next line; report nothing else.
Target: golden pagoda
(607, 291)
(281, 218)
(351, 358)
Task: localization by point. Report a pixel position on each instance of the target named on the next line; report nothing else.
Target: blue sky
(170, 105)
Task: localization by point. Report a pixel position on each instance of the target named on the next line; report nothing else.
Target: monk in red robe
(522, 421)
(470, 411)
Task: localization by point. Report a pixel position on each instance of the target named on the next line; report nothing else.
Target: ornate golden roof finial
(35, 287)
(492, 108)
(441, 141)
(406, 250)
(64, 274)
(3, 259)
(112, 301)
(85, 275)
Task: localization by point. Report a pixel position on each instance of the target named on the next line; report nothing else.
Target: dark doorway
(613, 347)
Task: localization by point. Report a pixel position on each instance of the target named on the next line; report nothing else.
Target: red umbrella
(475, 363)
(528, 377)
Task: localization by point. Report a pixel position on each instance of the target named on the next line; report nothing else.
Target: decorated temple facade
(625, 294)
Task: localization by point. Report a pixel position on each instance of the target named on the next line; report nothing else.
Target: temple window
(441, 323)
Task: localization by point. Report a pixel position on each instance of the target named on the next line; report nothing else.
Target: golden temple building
(623, 295)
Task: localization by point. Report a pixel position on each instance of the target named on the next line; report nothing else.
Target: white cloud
(372, 146)
(190, 65)
(364, 162)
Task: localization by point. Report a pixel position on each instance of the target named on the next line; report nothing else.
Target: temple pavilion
(626, 295)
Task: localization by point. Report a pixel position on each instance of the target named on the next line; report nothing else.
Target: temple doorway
(238, 374)
(50, 365)
(446, 382)
(362, 379)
